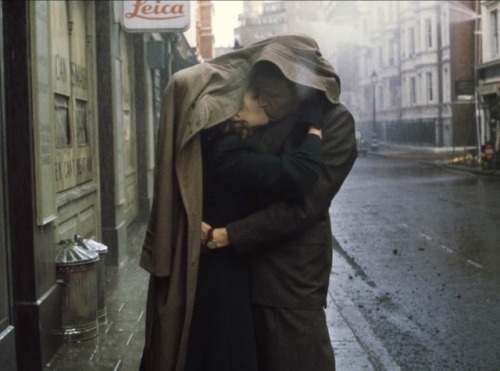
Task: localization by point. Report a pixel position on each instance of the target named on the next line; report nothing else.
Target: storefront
(489, 112)
(77, 129)
(54, 182)
(52, 179)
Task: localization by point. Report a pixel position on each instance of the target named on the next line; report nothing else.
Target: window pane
(82, 136)
(63, 131)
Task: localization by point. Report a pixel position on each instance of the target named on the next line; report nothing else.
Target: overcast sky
(225, 20)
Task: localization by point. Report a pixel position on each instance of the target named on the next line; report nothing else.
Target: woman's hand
(318, 132)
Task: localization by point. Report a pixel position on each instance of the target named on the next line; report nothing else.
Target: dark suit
(290, 274)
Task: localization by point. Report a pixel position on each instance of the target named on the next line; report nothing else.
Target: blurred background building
(204, 36)
(487, 49)
(407, 67)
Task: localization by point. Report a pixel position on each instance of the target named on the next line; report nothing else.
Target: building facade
(263, 19)
(80, 100)
(204, 35)
(260, 20)
(407, 67)
(416, 73)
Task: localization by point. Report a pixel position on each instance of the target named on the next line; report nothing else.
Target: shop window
(82, 134)
(72, 115)
(63, 128)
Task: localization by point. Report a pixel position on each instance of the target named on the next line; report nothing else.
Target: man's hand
(221, 237)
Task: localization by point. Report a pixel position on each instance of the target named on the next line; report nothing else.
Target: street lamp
(374, 144)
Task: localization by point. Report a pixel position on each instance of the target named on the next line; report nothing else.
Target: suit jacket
(237, 179)
(290, 242)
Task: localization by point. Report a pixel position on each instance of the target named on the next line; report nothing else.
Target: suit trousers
(292, 340)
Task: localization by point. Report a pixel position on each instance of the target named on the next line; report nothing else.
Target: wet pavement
(119, 343)
(422, 242)
(450, 158)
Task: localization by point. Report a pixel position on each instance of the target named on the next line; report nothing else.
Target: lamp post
(374, 144)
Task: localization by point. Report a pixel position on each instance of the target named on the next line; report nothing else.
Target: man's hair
(269, 70)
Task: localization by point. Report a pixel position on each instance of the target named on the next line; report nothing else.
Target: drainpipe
(477, 35)
(400, 73)
(440, 142)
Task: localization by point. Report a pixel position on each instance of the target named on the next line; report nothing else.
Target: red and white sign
(489, 151)
(155, 15)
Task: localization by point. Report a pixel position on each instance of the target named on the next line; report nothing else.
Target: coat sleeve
(285, 219)
(238, 167)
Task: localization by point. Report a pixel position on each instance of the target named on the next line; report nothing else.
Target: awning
(485, 89)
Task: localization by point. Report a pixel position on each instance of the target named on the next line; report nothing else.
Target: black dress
(234, 175)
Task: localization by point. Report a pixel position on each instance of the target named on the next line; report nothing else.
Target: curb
(376, 352)
(437, 161)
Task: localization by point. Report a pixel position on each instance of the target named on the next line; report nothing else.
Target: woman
(236, 180)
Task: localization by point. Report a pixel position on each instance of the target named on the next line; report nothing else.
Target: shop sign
(155, 15)
(489, 151)
(464, 89)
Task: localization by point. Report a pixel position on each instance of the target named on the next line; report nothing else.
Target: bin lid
(91, 245)
(70, 253)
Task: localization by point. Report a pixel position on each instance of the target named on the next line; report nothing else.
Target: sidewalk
(355, 345)
(119, 343)
(439, 157)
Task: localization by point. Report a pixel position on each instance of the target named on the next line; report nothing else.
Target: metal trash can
(101, 250)
(76, 270)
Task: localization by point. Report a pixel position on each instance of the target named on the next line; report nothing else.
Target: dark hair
(269, 70)
(239, 127)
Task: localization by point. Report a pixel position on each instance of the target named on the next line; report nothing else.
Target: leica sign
(156, 15)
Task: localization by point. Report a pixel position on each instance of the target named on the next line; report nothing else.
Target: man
(290, 244)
